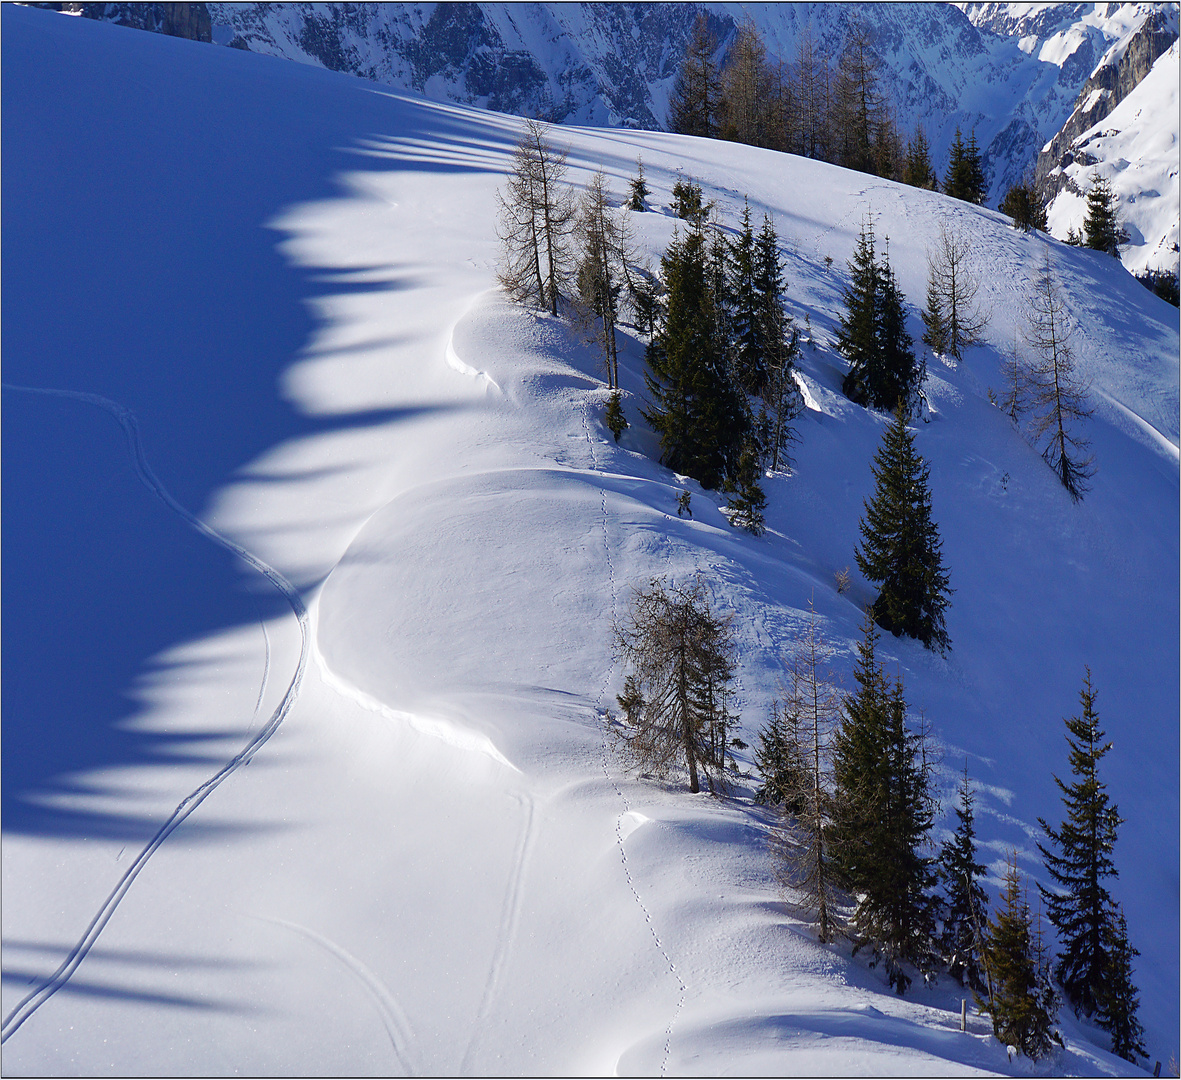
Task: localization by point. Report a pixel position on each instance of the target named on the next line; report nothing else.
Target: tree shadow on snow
(139, 174)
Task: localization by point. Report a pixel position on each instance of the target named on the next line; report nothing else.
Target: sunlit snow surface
(439, 862)
(1135, 148)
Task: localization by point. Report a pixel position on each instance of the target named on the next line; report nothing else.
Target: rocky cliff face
(177, 20)
(1106, 87)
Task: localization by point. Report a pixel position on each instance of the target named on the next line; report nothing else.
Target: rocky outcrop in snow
(1113, 80)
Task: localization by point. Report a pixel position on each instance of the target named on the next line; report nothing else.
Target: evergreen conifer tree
(695, 408)
(1078, 859)
(882, 813)
(780, 393)
(1119, 1002)
(916, 169)
(748, 344)
(615, 419)
(747, 500)
(873, 336)
(1017, 1005)
(638, 189)
(1101, 227)
(967, 902)
(901, 548)
(965, 173)
(1022, 204)
(778, 757)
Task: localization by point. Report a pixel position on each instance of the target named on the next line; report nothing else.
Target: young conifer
(967, 903)
(638, 189)
(1101, 227)
(1120, 1001)
(901, 548)
(1018, 1007)
(1078, 858)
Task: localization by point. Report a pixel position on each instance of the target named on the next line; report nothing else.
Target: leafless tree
(603, 272)
(535, 221)
(675, 700)
(1057, 394)
(810, 93)
(1015, 399)
(953, 322)
(860, 102)
(813, 703)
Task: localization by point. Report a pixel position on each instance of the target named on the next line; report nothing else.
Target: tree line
(837, 112)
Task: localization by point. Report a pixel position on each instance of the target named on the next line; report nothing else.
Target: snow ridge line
(672, 967)
(37, 997)
(396, 1025)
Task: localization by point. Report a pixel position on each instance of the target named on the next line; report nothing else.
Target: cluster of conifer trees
(840, 114)
(720, 360)
(852, 778)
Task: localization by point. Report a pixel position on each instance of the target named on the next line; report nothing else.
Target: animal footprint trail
(683, 988)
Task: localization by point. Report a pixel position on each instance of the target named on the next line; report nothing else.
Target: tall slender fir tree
(1094, 966)
(965, 911)
(901, 550)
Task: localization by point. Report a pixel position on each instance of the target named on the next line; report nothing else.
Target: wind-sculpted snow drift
(439, 862)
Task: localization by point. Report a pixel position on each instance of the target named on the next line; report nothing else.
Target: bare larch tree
(682, 659)
(1057, 396)
(535, 221)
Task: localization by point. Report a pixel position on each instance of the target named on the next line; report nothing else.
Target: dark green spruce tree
(873, 336)
(694, 406)
(965, 172)
(1094, 965)
(900, 546)
(966, 909)
(1101, 227)
(882, 813)
(1120, 1000)
(749, 348)
(780, 393)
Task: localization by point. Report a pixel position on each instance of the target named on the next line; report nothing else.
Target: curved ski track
(50, 986)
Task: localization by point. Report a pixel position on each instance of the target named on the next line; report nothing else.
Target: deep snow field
(255, 359)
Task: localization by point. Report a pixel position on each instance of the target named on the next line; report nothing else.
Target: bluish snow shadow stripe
(37, 997)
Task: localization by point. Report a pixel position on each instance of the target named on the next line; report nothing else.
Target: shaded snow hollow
(263, 295)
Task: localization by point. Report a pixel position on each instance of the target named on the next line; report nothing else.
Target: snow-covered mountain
(1014, 80)
(1010, 72)
(313, 546)
(1135, 147)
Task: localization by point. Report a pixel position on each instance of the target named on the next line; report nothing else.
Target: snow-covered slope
(1136, 148)
(258, 298)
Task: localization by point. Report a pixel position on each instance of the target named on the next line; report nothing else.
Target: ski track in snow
(627, 810)
(397, 1026)
(510, 919)
(50, 986)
